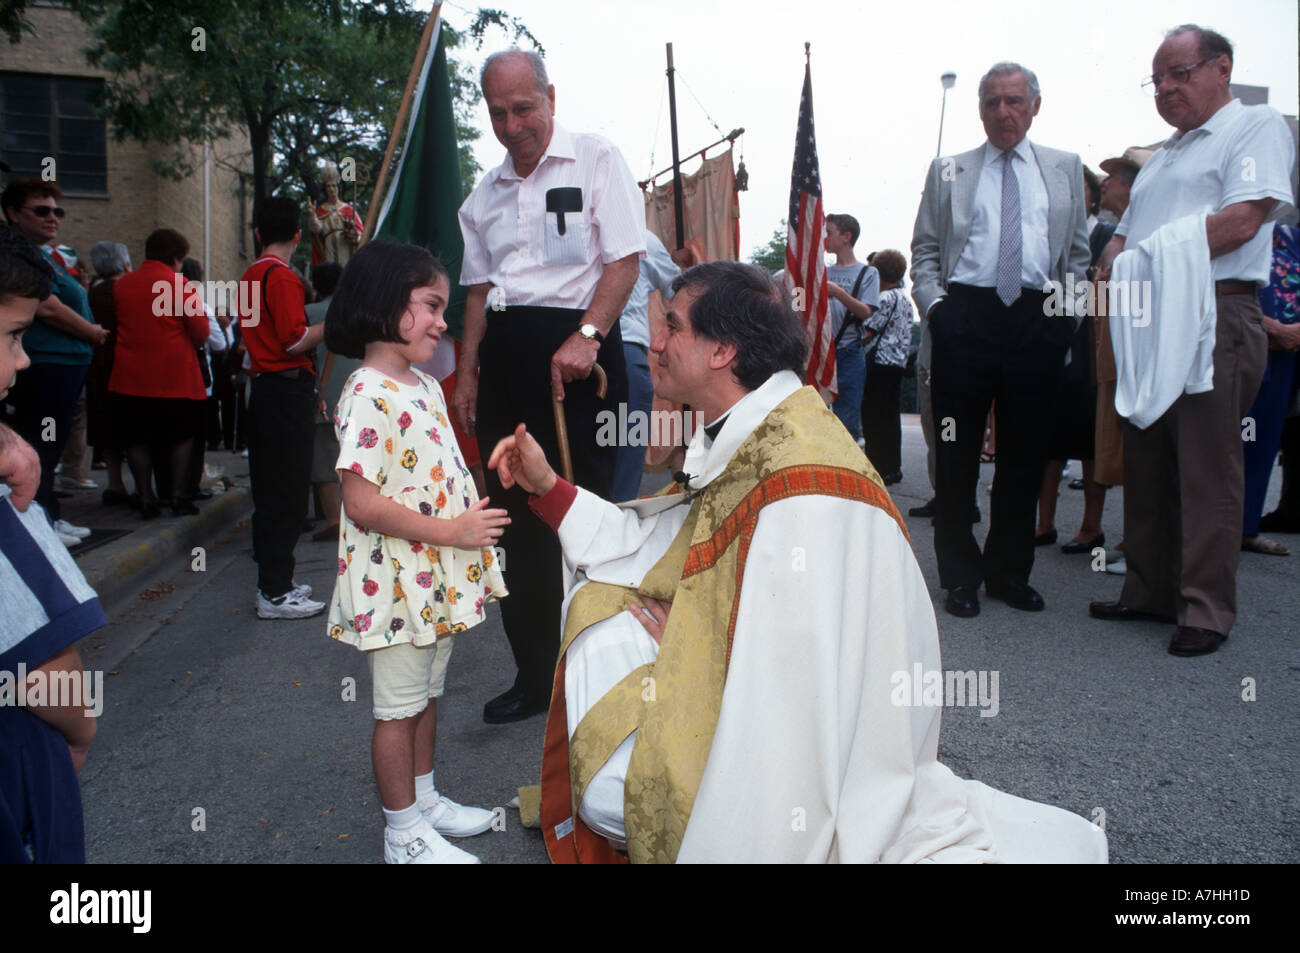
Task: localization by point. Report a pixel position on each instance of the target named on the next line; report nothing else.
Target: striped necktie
(1010, 241)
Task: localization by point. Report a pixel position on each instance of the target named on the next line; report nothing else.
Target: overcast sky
(876, 90)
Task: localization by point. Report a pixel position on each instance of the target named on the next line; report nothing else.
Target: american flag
(804, 263)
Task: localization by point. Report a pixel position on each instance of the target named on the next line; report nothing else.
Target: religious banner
(711, 217)
(711, 211)
(420, 207)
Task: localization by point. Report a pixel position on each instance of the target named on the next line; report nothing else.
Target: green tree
(12, 22)
(307, 79)
(771, 257)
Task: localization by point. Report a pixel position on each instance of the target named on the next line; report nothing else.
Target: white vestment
(811, 760)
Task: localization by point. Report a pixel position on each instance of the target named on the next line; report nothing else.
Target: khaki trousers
(1184, 484)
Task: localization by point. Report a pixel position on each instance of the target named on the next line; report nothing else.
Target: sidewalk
(266, 725)
(120, 566)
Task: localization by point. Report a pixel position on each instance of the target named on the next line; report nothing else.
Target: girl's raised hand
(478, 526)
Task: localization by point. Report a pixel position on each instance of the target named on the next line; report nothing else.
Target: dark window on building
(44, 116)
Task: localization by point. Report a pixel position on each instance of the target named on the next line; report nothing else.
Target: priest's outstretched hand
(519, 459)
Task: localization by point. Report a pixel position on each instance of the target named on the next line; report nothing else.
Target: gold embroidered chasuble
(673, 704)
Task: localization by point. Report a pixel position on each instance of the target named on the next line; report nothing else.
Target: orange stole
(575, 842)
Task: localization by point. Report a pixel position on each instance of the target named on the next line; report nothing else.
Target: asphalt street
(229, 739)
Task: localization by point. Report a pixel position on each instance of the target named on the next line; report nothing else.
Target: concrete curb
(117, 569)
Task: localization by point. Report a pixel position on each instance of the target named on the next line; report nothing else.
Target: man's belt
(1235, 287)
(526, 310)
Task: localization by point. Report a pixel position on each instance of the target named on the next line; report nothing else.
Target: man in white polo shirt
(1183, 474)
(553, 237)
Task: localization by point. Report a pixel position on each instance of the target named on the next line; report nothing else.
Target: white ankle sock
(424, 786)
(404, 819)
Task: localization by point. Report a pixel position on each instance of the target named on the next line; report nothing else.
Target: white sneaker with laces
(68, 540)
(288, 606)
(64, 528)
(303, 591)
(421, 844)
(454, 820)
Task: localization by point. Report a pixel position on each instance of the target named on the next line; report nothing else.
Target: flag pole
(375, 204)
(416, 66)
(677, 162)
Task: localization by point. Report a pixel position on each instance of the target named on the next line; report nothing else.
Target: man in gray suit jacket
(996, 225)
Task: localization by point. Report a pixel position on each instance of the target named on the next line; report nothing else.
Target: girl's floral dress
(392, 590)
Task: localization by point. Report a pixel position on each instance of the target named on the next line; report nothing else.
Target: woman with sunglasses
(60, 344)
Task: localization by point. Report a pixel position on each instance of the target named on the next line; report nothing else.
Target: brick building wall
(137, 199)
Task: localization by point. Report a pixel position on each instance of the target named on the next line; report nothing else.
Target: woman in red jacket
(156, 387)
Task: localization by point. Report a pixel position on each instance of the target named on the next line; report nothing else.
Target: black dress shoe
(503, 701)
(1189, 640)
(892, 478)
(1017, 595)
(522, 705)
(963, 601)
(925, 509)
(1076, 484)
(1075, 548)
(1045, 539)
(1118, 612)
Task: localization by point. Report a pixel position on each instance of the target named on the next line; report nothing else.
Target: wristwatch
(589, 332)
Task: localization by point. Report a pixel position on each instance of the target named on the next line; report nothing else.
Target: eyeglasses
(45, 211)
(1179, 74)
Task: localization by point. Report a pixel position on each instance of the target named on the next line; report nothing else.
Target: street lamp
(949, 80)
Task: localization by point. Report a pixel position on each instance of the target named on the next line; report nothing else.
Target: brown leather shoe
(1118, 612)
(1189, 640)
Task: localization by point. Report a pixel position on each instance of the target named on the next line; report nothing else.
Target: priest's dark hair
(741, 305)
(374, 292)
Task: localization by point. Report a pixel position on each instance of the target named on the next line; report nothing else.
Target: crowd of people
(122, 373)
(1002, 232)
(432, 460)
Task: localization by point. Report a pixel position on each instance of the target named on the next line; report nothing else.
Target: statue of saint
(335, 226)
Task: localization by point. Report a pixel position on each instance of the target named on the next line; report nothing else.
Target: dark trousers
(228, 391)
(1269, 413)
(1288, 504)
(515, 387)
(44, 398)
(630, 464)
(983, 352)
(279, 469)
(881, 430)
(1184, 480)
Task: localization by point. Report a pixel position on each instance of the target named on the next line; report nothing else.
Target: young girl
(416, 563)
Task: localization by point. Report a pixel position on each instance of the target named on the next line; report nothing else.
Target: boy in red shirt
(281, 410)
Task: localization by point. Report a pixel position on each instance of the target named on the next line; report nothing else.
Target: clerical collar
(712, 430)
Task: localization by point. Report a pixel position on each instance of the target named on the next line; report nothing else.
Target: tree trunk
(259, 139)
